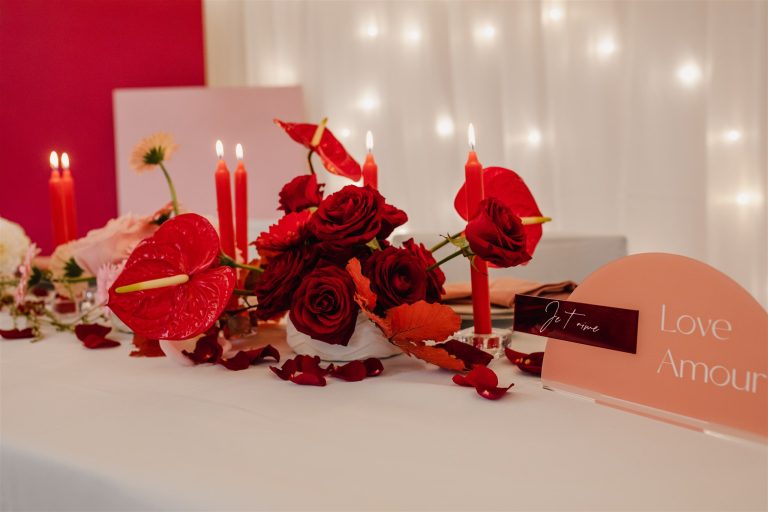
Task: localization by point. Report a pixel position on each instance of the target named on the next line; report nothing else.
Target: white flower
(25, 270)
(14, 244)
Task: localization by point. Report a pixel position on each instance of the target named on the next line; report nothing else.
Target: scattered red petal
(308, 379)
(471, 356)
(94, 341)
(492, 393)
(82, 331)
(146, 347)
(373, 367)
(529, 363)
(484, 380)
(353, 371)
(287, 370)
(17, 334)
(247, 358)
(207, 350)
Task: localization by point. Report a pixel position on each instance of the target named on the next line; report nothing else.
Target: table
(97, 430)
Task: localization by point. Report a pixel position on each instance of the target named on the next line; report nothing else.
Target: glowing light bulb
(732, 135)
(412, 35)
(554, 14)
(444, 126)
(344, 133)
(606, 47)
(689, 74)
(488, 31)
(534, 137)
(371, 30)
(745, 198)
(239, 151)
(219, 149)
(54, 160)
(369, 102)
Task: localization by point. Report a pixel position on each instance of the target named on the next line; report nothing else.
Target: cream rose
(14, 244)
(111, 244)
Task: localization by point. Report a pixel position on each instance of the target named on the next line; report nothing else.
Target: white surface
(588, 105)
(558, 257)
(99, 430)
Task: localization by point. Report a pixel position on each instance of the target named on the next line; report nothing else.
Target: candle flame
(239, 151)
(471, 136)
(219, 149)
(54, 160)
(65, 161)
(369, 141)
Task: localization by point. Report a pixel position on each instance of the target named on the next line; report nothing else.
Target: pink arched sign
(702, 347)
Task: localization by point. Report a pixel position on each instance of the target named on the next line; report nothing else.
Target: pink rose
(113, 243)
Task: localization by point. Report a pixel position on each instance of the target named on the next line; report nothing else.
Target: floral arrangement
(327, 265)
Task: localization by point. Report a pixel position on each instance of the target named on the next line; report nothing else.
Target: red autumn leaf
(17, 334)
(332, 153)
(146, 347)
(373, 367)
(509, 188)
(421, 321)
(364, 296)
(529, 363)
(353, 371)
(308, 379)
(247, 358)
(471, 356)
(93, 336)
(188, 245)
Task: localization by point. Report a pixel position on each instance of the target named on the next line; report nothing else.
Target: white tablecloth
(98, 430)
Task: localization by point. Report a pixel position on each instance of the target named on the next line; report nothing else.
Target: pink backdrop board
(59, 62)
(197, 117)
(702, 347)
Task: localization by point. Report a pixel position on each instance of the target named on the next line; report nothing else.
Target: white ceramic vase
(367, 341)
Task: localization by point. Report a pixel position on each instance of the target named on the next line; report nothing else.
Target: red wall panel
(59, 62)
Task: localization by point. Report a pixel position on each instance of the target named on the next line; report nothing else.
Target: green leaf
(374, 245)
(460, 242)
(72, 269)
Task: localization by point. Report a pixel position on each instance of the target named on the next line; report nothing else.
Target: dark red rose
(274, 291)
(497, 235)
(289, 233)
(324, 307)
(354, 216)
(435, 277)
(397, 277)
(300, 193)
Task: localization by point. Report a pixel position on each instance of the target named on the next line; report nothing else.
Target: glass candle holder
(493, 343)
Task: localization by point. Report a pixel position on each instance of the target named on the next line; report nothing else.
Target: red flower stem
(243, 293)
(309, 161)
(445, 241)
(447, 258)
(229, 262)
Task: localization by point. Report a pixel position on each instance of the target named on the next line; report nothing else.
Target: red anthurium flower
(17, 334)
(181, 290)
(509, 188)
(529, 363)
(95, 336)
(484, 380)
(335, 158)
(247, 358)
(146, 347)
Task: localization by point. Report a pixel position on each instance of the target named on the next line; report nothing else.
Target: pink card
(702, 347)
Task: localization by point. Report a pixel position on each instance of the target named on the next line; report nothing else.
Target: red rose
(289, 233)
(497, 235)
(324, 307)
(354, 216)
(275, 289)
(397, 277)
(435, 277)
(300, 193)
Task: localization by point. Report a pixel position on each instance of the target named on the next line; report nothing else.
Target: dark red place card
(589, 324)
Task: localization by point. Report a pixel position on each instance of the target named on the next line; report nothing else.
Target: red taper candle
(370, 169)
(224, 204)
(68, 193)
(58, 220)
(241, 205)
(481, 298)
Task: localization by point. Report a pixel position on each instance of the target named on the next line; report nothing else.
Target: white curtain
(640, 118)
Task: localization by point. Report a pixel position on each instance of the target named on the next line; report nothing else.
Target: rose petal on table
(287, 370)
(146, 347)
(308, 379)
(83, 331)
(246, 358)
(530, 363)
(94, 341)
(470, 355)
(482, 377)
(373, 367)
(207, 350)
(353, 371)
(17, 334)
(492, 393)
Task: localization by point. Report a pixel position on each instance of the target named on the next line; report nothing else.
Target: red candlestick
(57, 204)
(481, 297)
(241, 205)
(224, 204)
(370, 169)
(68, 189)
